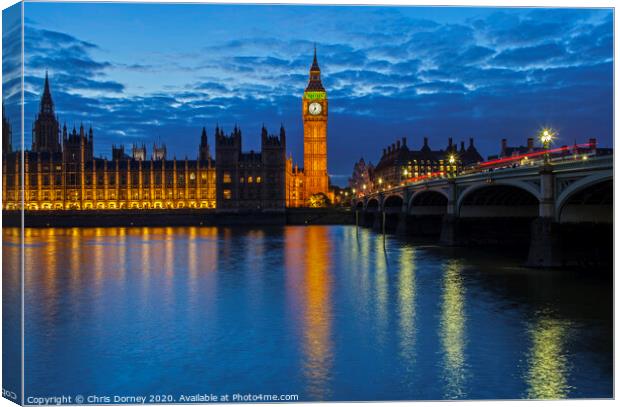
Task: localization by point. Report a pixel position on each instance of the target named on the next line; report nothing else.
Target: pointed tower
(314, 113)
(204, 153)
(282, 134)
(47, 104)
(46, 129)
(138, 152)
(159, 152)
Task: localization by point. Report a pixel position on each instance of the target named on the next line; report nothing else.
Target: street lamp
(451, 161)
(546, 137)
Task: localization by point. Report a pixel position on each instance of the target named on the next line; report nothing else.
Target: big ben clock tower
(314, 112)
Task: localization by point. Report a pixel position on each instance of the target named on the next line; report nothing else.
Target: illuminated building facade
(304, 185)
(399, 163)
(52, 183)
(61, 171)
(295, 194)
(314, 113)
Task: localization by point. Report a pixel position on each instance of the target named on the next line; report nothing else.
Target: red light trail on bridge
(499, 161)
(485, 165)
(530, 155)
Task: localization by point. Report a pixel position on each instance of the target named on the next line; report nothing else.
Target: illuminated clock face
(315, 108)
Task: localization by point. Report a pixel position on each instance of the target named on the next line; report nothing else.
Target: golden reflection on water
(546, 377)
(452, 331)
(98, 259)
(33, 239)
(75, 261)
(317, 345)
(120, 234)
(407, 306)
(169, 253)
(381, 291)
(11, 259)
(111, 252)
(145, 250)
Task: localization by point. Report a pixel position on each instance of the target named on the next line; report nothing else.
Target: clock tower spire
(314, 113)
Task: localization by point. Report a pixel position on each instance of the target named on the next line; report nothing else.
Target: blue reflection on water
(329, 313)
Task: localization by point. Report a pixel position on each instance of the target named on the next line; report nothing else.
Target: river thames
(327, 313)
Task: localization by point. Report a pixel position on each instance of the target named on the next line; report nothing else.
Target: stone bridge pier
(545, 247)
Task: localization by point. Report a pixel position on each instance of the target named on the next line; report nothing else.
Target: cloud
(529, 55)
(475, 53)
(69, 62)
(498, 76)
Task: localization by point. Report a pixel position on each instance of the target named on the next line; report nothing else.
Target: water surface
(328, 313)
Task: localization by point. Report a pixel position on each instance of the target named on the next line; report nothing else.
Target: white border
(474, 3)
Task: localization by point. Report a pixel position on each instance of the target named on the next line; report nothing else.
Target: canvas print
(212, 203)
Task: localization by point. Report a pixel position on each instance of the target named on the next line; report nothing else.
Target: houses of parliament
(61, 172)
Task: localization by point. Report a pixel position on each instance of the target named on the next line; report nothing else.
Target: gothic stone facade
(61, 171)
(250, 181)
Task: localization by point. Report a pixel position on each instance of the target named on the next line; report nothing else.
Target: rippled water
(328, 313)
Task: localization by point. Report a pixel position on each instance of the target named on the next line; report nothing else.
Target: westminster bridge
(553, 208)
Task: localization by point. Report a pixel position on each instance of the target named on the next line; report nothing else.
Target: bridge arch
(505, 199)
(393, 203)
(428, 202)
(372, 204)
(589, 199)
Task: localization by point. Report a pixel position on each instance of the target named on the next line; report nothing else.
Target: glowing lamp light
(380, 181)
(546, 136)
(451, 159)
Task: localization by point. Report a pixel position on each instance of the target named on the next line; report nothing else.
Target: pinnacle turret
(315, 84)
(47, 104)
(315, 63)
